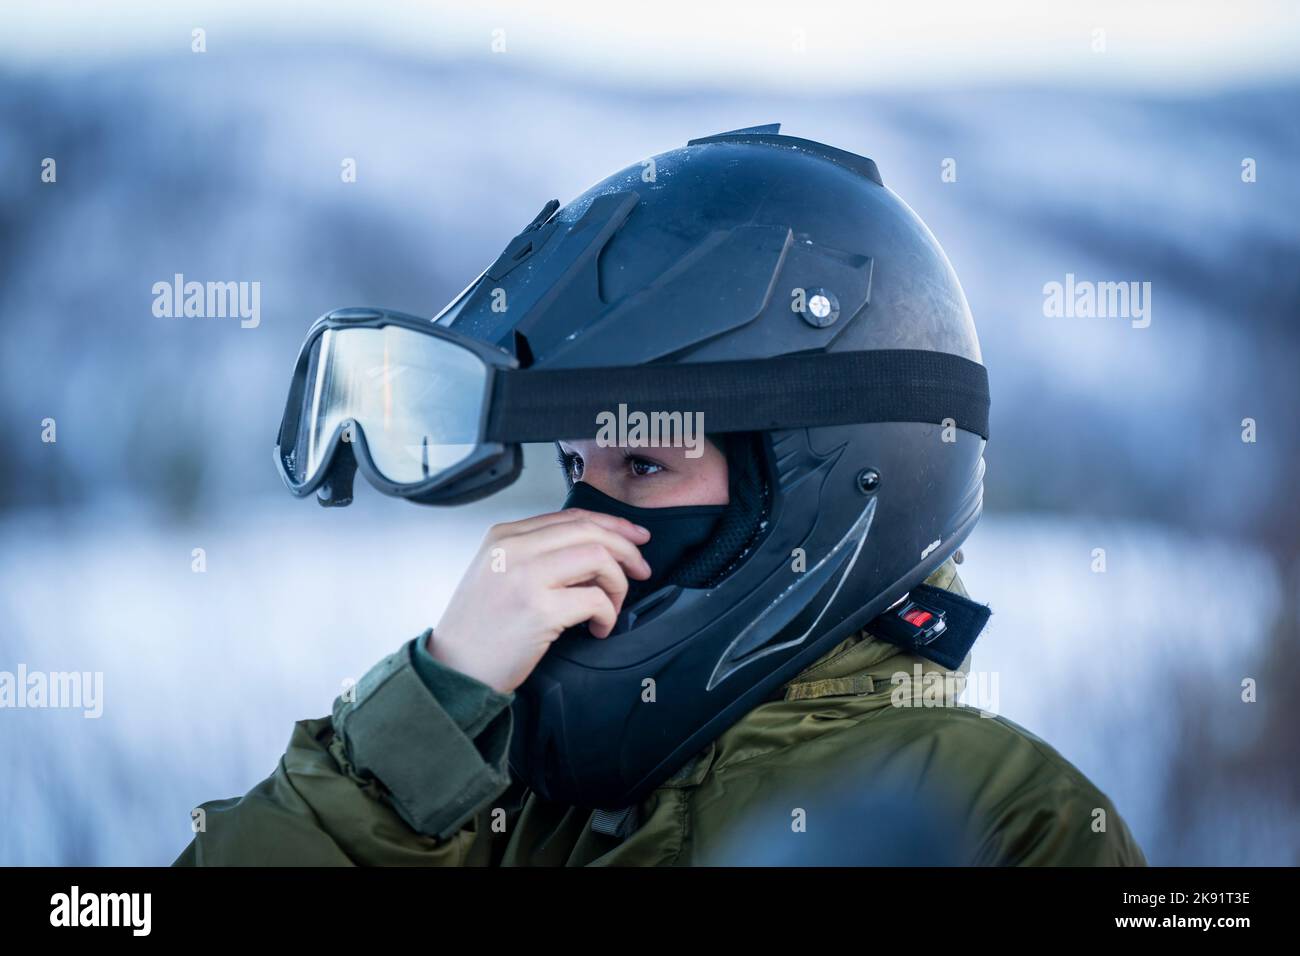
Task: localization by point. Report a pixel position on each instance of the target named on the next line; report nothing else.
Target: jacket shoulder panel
(1015, 798)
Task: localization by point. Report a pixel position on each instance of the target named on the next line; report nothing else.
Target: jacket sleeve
(1063, 823)
(405, 772)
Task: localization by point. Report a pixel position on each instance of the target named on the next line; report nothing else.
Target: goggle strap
(791, 391)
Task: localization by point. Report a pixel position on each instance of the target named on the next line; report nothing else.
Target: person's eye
(571, 465)
(641, 467)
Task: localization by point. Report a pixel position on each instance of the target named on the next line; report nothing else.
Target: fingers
(591, 604)
(567, 534)
(633, 532)
(575, 565)
(584, 564)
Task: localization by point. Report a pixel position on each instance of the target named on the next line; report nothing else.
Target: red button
(917, 617)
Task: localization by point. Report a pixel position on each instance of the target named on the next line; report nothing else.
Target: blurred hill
(227, 168)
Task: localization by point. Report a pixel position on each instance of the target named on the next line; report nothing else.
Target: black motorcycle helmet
(743, 245)
(775, 287)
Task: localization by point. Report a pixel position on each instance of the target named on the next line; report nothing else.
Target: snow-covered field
(204, 673)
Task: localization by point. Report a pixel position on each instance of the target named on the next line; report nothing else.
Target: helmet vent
(760, 134)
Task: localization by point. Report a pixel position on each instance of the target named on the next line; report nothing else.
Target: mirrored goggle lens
(417, 400)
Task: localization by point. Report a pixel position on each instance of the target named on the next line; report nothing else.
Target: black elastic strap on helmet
(791, 391)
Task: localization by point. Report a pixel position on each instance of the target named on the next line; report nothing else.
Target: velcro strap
(831, 687)
(397, 732)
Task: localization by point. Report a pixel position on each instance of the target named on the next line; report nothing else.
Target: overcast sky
(791, 44)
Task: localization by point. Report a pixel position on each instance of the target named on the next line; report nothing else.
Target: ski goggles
(438, 417)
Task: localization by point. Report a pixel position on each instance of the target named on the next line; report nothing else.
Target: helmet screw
(821, 308)
(868, 480)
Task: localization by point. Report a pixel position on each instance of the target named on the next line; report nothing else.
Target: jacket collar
(860, 667)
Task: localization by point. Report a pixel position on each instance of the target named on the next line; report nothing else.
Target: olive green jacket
(411, 770)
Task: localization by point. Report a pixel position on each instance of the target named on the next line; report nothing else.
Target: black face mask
(674, 532)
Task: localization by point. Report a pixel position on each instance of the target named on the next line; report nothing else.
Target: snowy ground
(204, 673)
